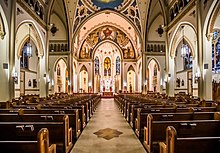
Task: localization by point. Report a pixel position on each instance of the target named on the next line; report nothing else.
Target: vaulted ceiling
(133, 17)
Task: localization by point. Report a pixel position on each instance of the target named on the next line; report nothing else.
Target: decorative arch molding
(35, 37)
(172, 46)
(188, 42)
(58, 60)
(163, 8)
(136, 30)
(212, 14)
(105, 41)
(2, 28)
(115, 25)
(83, 68)
(131, 68)
(156, 61)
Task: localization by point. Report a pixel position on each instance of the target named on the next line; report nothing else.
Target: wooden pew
(155, 130)
(59, 132)
(197, 144)
(141, 119)
(77, 118)
(73, 120)
(40, 144)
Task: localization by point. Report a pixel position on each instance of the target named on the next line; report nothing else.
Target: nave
(108, 132)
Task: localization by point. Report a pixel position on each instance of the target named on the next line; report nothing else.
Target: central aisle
(108, 132)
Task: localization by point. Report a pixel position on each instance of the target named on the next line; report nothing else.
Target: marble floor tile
(108, 132)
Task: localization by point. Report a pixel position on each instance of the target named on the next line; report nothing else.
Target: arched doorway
(153, 76)
(61, 77)
(131, 80)
(83, 78)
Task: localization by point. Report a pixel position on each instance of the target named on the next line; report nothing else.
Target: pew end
(163, 147)
(147, 134)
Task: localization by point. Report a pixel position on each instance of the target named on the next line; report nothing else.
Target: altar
(107, 95)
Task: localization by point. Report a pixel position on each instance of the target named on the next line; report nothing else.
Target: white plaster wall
(4, 51)
(61, 34)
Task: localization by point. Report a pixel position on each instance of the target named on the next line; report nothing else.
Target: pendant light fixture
(184, 46)
(29, 45)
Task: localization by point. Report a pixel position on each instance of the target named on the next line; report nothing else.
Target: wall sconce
(197, 76)
(15, 77)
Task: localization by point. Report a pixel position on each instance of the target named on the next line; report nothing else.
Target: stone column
(207, 68)
(70, 74)
(171, 77)
(11, 91)
(143, 84)
(199, 48)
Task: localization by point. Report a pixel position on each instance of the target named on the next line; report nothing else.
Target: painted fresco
(107, 4)
(107, 33)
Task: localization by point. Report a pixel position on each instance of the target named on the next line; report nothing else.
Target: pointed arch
(175, 40)
(2, 28)
(83, 68)
(35, 35)
(58, 60)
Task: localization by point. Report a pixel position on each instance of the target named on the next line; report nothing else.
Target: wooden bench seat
(155, 130)
(40, 145)
(59, 132)
(175, 143)
(81, 115)
(141, 119)
(74, 121)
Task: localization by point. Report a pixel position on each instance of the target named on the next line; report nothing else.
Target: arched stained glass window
(107, 67)
(58, 70)
(216, 52)
(155, 70)
(24, 60)
(187, 58)
(97, 65)
(118, 65)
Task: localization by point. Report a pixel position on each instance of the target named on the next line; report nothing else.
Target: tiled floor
(108, 132)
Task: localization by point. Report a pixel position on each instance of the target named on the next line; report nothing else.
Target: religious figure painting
(128, 52)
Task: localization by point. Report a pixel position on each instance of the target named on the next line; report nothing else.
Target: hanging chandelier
(184, 46)
(29, 45)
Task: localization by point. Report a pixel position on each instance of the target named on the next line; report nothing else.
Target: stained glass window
(118, 66)
(187, 58)
(97, 65)
(24, 57)
(216, 52)
(155, 70)
(107, 67)
(58, 70)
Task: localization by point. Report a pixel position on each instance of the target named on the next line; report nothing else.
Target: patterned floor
(108, 132)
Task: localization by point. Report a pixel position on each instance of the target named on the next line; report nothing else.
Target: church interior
(113, 76)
